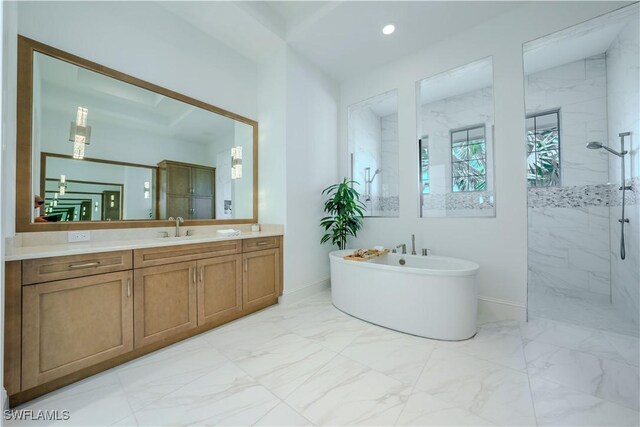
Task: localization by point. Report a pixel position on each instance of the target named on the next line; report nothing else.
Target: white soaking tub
(429, 296)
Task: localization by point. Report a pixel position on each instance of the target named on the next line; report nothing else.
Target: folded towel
(229, 232)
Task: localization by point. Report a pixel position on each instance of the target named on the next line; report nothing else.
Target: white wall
(311, 162)
(498, 244)
(272, 150)
(137, 38)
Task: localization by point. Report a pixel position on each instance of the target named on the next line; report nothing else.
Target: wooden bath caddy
(369, 254)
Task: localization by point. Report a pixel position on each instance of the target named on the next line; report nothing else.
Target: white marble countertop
(16, 253)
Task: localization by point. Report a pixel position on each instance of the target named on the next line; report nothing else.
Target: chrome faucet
(413, 244)
(404, 248)
(178, 221)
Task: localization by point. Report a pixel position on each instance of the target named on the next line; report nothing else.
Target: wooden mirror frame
(24, 185)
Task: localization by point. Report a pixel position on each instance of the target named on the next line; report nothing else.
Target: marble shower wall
(388, 199)
(438, 119)
(623, 75)
(568, 233)
(373, 139)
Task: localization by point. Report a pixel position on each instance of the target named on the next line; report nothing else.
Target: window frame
(467, 129)
(533, 116)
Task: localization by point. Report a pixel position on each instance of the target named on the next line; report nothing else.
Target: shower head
(595, 145)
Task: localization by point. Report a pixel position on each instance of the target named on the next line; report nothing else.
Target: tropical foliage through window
(469, 159)
(543, 150)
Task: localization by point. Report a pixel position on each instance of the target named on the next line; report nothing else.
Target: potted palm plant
(345, 213)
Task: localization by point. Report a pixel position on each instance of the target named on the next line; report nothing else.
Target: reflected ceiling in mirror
(200, 160)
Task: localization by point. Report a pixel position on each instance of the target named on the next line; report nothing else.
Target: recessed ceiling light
(388, 29)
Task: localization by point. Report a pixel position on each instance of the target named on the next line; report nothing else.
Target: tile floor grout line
(413, 388)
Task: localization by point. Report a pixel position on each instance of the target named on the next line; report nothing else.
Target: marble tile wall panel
(568, 248)
(390, 163)
(623, 85)
(579, 91)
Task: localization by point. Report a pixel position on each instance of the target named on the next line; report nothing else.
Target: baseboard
(493, 309)
(305, 291)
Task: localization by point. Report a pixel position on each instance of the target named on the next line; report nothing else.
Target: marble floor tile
(285, 362)
(226, 396)
(422, 409)
(149, 378)
(397, 355)
(497, 394)
(495, 345)
(334, 333)
(307, 363)
(344, 392)
(284, 416)
(626, 346)
(556, 405)
(598, 343)
(608, 379)
(96, 401)
(241, 338)
(129, 421)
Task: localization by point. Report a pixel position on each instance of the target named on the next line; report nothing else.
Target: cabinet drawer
(172, 254)
(250, 245)
(68, 267)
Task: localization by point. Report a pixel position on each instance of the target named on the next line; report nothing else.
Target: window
(424, 164)
(468, 159)
(543, 149)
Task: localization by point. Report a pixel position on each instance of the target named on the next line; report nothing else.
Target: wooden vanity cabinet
(219, 289)
(165, 301)
(261, 277)
(71, 324)
(69, 317)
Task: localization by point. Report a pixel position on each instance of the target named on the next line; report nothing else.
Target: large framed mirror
(455, 142)
(101, 149)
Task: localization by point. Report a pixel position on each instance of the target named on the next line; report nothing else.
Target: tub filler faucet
(403, 246)
(413, 244)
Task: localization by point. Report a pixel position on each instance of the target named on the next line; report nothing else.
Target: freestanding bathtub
(429, 296)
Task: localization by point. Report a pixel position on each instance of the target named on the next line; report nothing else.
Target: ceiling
(343, 38)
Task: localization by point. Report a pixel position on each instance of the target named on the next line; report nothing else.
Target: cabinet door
(71, 324)
(261, 277)
(178, 179)
(202, 207)
(220, 288)
(202, 181)
(165, 301)
(178, 206)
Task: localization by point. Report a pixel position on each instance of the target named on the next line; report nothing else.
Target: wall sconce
(62, 186)
(236, 162)
(112, 203)
(95, 206)
(147, 189)
(80, 133)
